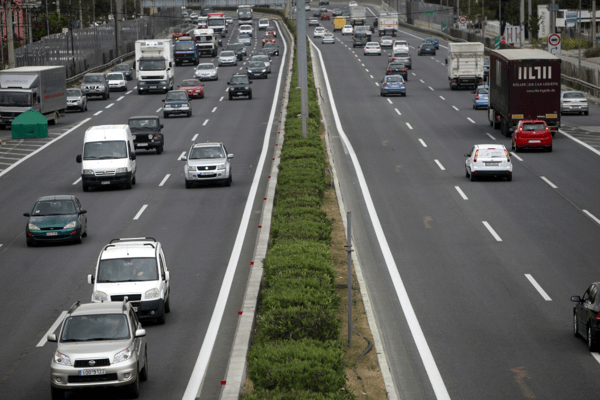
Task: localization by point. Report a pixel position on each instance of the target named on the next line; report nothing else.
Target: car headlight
(150, 136)
(123, 355)
(121, 170)
(191, 168)
(62, 359)
(264, 70)
(134, 137)
(247, 87)
(167, 106)
(221, 167)
(101, 87)
(71, 225)
(33, 227)
(99, 296)
(152, 294)
(87, 172)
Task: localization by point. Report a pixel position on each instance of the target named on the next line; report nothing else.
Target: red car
(271, 32)
(268, 39)
(531, 134)
(325, 16)
(193, 87)
(176, 33)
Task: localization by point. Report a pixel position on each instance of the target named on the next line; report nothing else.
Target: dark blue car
(393, 84)
(434, 42)
(426, 49)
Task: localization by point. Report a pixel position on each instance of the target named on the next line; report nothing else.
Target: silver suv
(207, 162)
(135, 268)
(101, 344)
(95, 85)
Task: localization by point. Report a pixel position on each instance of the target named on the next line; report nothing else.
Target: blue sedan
(480, 100)
(434, 42)
(393, 84)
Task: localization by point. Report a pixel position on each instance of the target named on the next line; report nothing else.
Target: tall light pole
(9, 33)
(47, 20)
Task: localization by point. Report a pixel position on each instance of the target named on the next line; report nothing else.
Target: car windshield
(347, 26)
(427, 46)
(574, 95)
(482, 90)
(200, 153)
(92, 78)
(191, 82)
(243, 36)
(121, 67)
(239, 80)
(256, 64)
(152, 65)
(394, 79)
(73, 92)
(177, 30)
(235, 46)
(135, 124)
(396, 65)
(184, 46)
(319, 29)
(491, 153)
(227, 54)
(205, 66)
(176, 96)
(534, 127)
(127, 270)
(264, 21)
(267, 45)
(386, 38)
(114, 77)
(105, 150)
(53, 207)
(401, 54)
(87, 328)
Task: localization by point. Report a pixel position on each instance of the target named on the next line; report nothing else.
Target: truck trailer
(387, 23)
(154, 65)
(185, 51)
(358, 15)
(465, 65)
(43, 89)
(523, 84)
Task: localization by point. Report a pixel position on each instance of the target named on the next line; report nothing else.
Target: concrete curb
(388, 380)
(236, 368)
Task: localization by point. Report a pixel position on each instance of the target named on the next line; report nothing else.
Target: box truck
(465, 65)
(43, 89)
(154, 65)
(387, 23)
(358, 15)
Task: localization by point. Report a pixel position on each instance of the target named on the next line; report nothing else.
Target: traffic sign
(554, 43)
(497, 42)
(462, 20)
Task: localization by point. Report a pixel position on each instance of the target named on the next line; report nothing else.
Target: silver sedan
(227, 58)
(372, 48)
(328, 38)
(574, 102)
(386, 41)
(206, 72)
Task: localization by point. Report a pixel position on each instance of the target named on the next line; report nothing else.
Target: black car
(336, 12)
(239, 85)
(257, 69)
(317, 13)
(586, 320)
(397, 68)
(426, 48)
(56, 219)
(125, 69)
(324, 2)
(238, 48)
(204, 11)
(271, 48)
(147, 133)
(360, 39)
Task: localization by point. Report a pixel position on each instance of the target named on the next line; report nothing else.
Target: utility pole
(302, 61)
(47, 20)
(521, 21)
(529, 20)
(80, 16)
(483, 22)
(552, 19)
(30, 31)
(594, 23)
(579, 33)
(9, 33)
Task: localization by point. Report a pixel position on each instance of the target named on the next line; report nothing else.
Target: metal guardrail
(114, 62)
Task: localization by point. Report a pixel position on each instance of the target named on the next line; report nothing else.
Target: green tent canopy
(30, 125)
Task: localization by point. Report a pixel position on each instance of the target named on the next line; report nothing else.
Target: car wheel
(230, 96)
(381, 94)
(86, 188)
(165, 115)
(84, 233)
(472, 176)
(474, 108)
(57, 394)
(516, 148)
(79, 240)
(134, 388)
(590, 340)
(30, 243)
(250, 96)
(162, 319)
(549, 149)
(133, 180)
(140, 92)
(586, 113)
(168, 304)
(189, 114)
(129, 184)
(509, 178)
(228, 181)
(108, 95)
(575, 330)
(159, 149)
(104, 97)
(144, 371)
(188, 184)
(466, 172)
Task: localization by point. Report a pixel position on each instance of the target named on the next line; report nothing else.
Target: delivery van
(338, 23)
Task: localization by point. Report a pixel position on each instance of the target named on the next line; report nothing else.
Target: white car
(319, 32)
(488, 160)
(307, 7)
(116, 81)
(313, 21)
(207, 162)
(136, 268)
(246, 29)
(386, 41)
(400, 45)
(352, 4)
(206, 72)
(372, 48)
(227, 58)
(347, 30)
(263, 24)
(328, 38)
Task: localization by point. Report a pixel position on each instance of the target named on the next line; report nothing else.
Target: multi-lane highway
(197, 228)
(470, 281)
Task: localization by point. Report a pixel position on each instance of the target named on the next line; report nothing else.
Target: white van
(108, 157)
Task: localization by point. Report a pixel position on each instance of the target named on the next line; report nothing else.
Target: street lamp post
(47, 20)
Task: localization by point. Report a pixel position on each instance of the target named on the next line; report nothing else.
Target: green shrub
(295, 323)
(297, 366)
(301, 230)
(293, 153)
(325, 278)
(299, 395)
(306, 298)
(288, 213)
(301, 201)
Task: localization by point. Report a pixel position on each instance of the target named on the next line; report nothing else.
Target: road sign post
(462, 22)
(554, 41)
(497, 42)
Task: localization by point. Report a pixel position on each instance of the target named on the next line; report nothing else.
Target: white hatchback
(347, 30)
(319, 32)
(488, 160)
(247, 29)
(372, 48)
(263, 24)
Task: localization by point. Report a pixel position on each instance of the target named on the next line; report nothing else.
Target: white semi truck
(154, 65)
(43, 89)
(465, 65)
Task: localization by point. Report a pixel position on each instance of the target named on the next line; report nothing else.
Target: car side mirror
(473, 92)
(467, 155)
(229, 155)
(167, 276)
(140, 333)
(183, 158)
(163, 100)
(90, 279)
(576, 299)
(161, 126)
(78, 158)
(83, 212)
(228, 83)
(251, 82)
(446, 61)
(51, 337)
(178, 86)
(132, 156)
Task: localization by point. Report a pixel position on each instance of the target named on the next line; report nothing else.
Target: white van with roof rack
(135, 268)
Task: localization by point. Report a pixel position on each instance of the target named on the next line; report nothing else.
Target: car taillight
(584, 101)
(476, 154)
(507, 156)
(566, 101)
(385, 84)
(598, 317)
(404, 70)
(477, 97)
(409, 58)
(389, 70)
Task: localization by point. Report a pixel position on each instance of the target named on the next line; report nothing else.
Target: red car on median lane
(193, 87)
(325, 16)
(268, 39)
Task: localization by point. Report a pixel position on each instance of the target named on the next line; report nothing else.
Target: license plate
(52, 234)
(492, 164)
(152, 87)
(534, 141)
(87, 372)
(105, 183)
(207, 173)
(142, 144)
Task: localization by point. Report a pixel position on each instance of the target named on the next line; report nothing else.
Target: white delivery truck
(465, 65)
(216, 22)
(387, 23)
(358, 15)
(154, 61)
(43, 89)
(207, 42)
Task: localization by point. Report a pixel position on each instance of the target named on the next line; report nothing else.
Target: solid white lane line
(433, 373)
(77, 181)
(390, 101)
(164, 180)
(221, 99)
(98, 113)
(58, 321)
(159, 109)
(205, 122)
(398, 112)
(538, 287)
(139, 214)
(195, 137)
(181, 155)
(552, 185)
(516, 156)
(214, 109)
(470, 120)
(195, 382)
(455, 108)
(409, 125)
(441, 97)
(492, 231)
(431, 88)
(440, 165)
(491, 137)
(589, 214)
(422, 142)
(110, 105)
(587, 146)
(462, 194)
